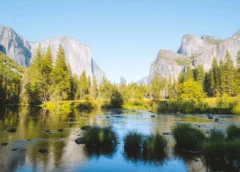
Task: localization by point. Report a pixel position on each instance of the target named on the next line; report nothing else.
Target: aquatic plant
(154, 144)
(233, 132)
(213, 147)
(186, 136)
(100, 136)
(133, 141)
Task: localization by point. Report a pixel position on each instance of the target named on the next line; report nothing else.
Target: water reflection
(21, 153)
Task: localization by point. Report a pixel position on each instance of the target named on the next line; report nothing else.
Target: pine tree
(60, 77)
(199, 75)
(82, 85)
(33, 87)
(94, 88)
(46, 70)
(237, 78)
(228, 75)
(214, 78)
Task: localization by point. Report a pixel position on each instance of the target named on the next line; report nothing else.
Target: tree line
(52, 80)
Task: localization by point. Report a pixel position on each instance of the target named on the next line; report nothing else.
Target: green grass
(100, 136)
(233, 132)
(154, 144)
(133, 141)
(187, 136)
(232, 149)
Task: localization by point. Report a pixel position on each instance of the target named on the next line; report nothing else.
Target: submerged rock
(210, 117)
(60, 130)
(12, 130)
(167, 133)
(216, 120)
(43, 150)
(85, 127)
(47, 131)
(152, 116)
(4, 144)
(107, 117)
(14, 149)
(80, 140)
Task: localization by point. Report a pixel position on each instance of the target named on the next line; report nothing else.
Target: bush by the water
(87, 104)
(233, 132)
(186, 136)
(154, 144)
(100, 136)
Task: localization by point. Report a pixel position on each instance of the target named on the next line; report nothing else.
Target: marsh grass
(233, 132)
(188, 137)
(133, 142)
(213, 147)
(232, 149)
(100, 136)
(154, 144)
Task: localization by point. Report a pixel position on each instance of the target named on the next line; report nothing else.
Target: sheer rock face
(193, 51)
(78, 55)
(14, 46)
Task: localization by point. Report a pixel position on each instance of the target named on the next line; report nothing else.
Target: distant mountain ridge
(78, 55)
(193, 51)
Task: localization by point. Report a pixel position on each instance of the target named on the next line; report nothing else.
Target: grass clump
(100, 136)
(133, 141)
(233, 132)
(186, 136)
(232, 149)
(154, 144)
(213, 147)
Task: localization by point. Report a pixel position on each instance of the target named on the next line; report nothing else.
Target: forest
(49, 81)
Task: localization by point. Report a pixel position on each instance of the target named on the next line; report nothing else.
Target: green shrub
(154, 144)
(233, 132)
(133, 141)
(100, 136)
(186, 136)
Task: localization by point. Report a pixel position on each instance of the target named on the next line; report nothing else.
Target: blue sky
(125, 35)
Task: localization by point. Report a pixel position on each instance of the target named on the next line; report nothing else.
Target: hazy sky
(125, 35)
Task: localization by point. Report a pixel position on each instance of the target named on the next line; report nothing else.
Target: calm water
(21, 153)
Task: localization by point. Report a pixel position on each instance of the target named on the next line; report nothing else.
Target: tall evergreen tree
(83, 85)
(214, 77)
(237, 76)
(61, 77)
(228, 75)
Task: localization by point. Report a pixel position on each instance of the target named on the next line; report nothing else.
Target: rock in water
(80, 140)
(152, 116)
(85, 127)
(12, 130)
(4, 144)
(60, 130)
(43, 150)
(216, 120)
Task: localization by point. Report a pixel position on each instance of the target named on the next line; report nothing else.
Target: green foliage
(87, 104)
(154, 144)
(158, 85)
(10, 79)
(116, 100)
(188, 137)
(61, 77)
(100, 136)
(133, 141)
(233, 132)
